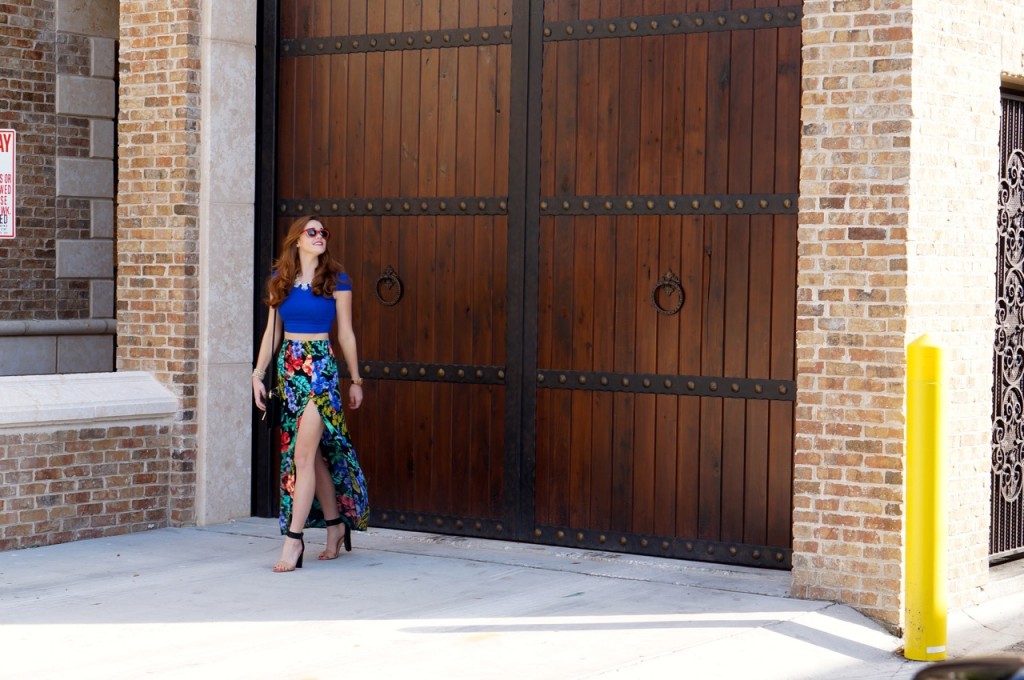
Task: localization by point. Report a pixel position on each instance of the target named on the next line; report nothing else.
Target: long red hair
(286, 267)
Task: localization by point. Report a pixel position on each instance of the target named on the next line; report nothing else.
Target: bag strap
(273, 350)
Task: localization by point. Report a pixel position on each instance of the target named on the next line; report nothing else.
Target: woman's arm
(347, 340)
(259, 392)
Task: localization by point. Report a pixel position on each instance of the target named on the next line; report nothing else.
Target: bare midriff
(306, 337)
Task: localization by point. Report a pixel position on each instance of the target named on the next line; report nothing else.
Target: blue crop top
(305, 312)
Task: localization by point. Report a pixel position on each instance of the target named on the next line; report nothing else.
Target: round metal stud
(699, 21)
(735, 387)
(625, 382)
(537, 533)
(787, 203)
(612, 28)
(744, 18)
(602, 538)
(607, 205)
(647, 382)
(732, 551)
(501, 375)
(392, 41)
(284, 207)
(424, 206)
(565, 205)
(299, 207)
(739, 203)
(302, 47)
(458, 524)
(711, 550)
(778, 557)
(446, 38)
(782, 389)
(465, 37)
(768, 16)
(384, 517)
(485, 35)
(478, 526)
(387, 370)
(547, 32)
(579, 536)
(650, 205)
(586, 205)
(668, 384)
(462, 205)
(560, 534)
(404, 371)
(422, 372)
(287, 47)
(406, 207)
(672, 205)
(540, 377)
(543, 205)
(622, 540)
(675, 23)
(690, 385)
(694, 204)
(410, 40)
(633, 25)
(756, 554)
(568, 30)
(438, 522)
(401, 518)
(758, 389)
(373, 43)
(316, 208)
(366, 368)
(479, 373)
(763, 203)
(337, 45)
(428, 39)
(387, 207)
(507, 34)
(499, 528)
(718, 204)
(334, 206)
(713, 386)
(481, 205)
(503, 205)
(562, 379)
(604, 380)
(721, 21)
(791, 15)
(643, 542)
(590, 28)
(443, 205)
(629, 204)
(369, 206)
(654, 25)
(461, 373)
(583, 379)
(351, 207)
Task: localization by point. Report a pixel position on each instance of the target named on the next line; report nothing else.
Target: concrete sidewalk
(203, 603)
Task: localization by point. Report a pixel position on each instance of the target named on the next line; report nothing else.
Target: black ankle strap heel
(298, 537)
(348, 532)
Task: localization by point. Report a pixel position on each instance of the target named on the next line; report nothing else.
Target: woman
(322, 484)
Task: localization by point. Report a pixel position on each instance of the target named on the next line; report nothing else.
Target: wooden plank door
(666, 277)
(394, 127)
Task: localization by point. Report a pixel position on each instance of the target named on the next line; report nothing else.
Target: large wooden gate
(572, 231)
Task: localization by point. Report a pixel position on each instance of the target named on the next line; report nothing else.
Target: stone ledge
(84, 399)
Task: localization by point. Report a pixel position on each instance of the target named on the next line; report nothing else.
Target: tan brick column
(157, 214)
(851, 317)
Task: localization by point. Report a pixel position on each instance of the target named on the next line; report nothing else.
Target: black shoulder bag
(272, 415)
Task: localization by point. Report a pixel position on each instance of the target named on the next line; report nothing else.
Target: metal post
(925, 573)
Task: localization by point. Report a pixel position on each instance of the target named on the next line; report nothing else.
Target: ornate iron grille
(1007, 532)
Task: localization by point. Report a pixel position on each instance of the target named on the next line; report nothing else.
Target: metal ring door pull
(669, 282)
(390, 281)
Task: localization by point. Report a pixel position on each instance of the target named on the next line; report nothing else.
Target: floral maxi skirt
(308, 375)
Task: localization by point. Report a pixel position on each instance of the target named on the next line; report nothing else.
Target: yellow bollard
(925, 575)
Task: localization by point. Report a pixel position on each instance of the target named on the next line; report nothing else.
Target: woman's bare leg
(329, 504)
(307, 441)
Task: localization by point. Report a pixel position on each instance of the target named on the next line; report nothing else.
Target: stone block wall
(60, 97)
(158, 138)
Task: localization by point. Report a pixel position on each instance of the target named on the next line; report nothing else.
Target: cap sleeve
(343, 283)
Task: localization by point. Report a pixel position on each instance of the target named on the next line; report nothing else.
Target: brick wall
(157, 215)
(72, 484)
(897, 234)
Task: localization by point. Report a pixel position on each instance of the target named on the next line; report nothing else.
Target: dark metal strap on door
(673, 24)
(443, 524)
(690, 204)
(397, 205)
(667, 546)
(391, 42)
(678, 385)
(451, 373)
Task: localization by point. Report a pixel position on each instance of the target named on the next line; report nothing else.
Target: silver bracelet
(258, 373)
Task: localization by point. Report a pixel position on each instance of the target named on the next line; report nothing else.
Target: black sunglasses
(313, 231)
